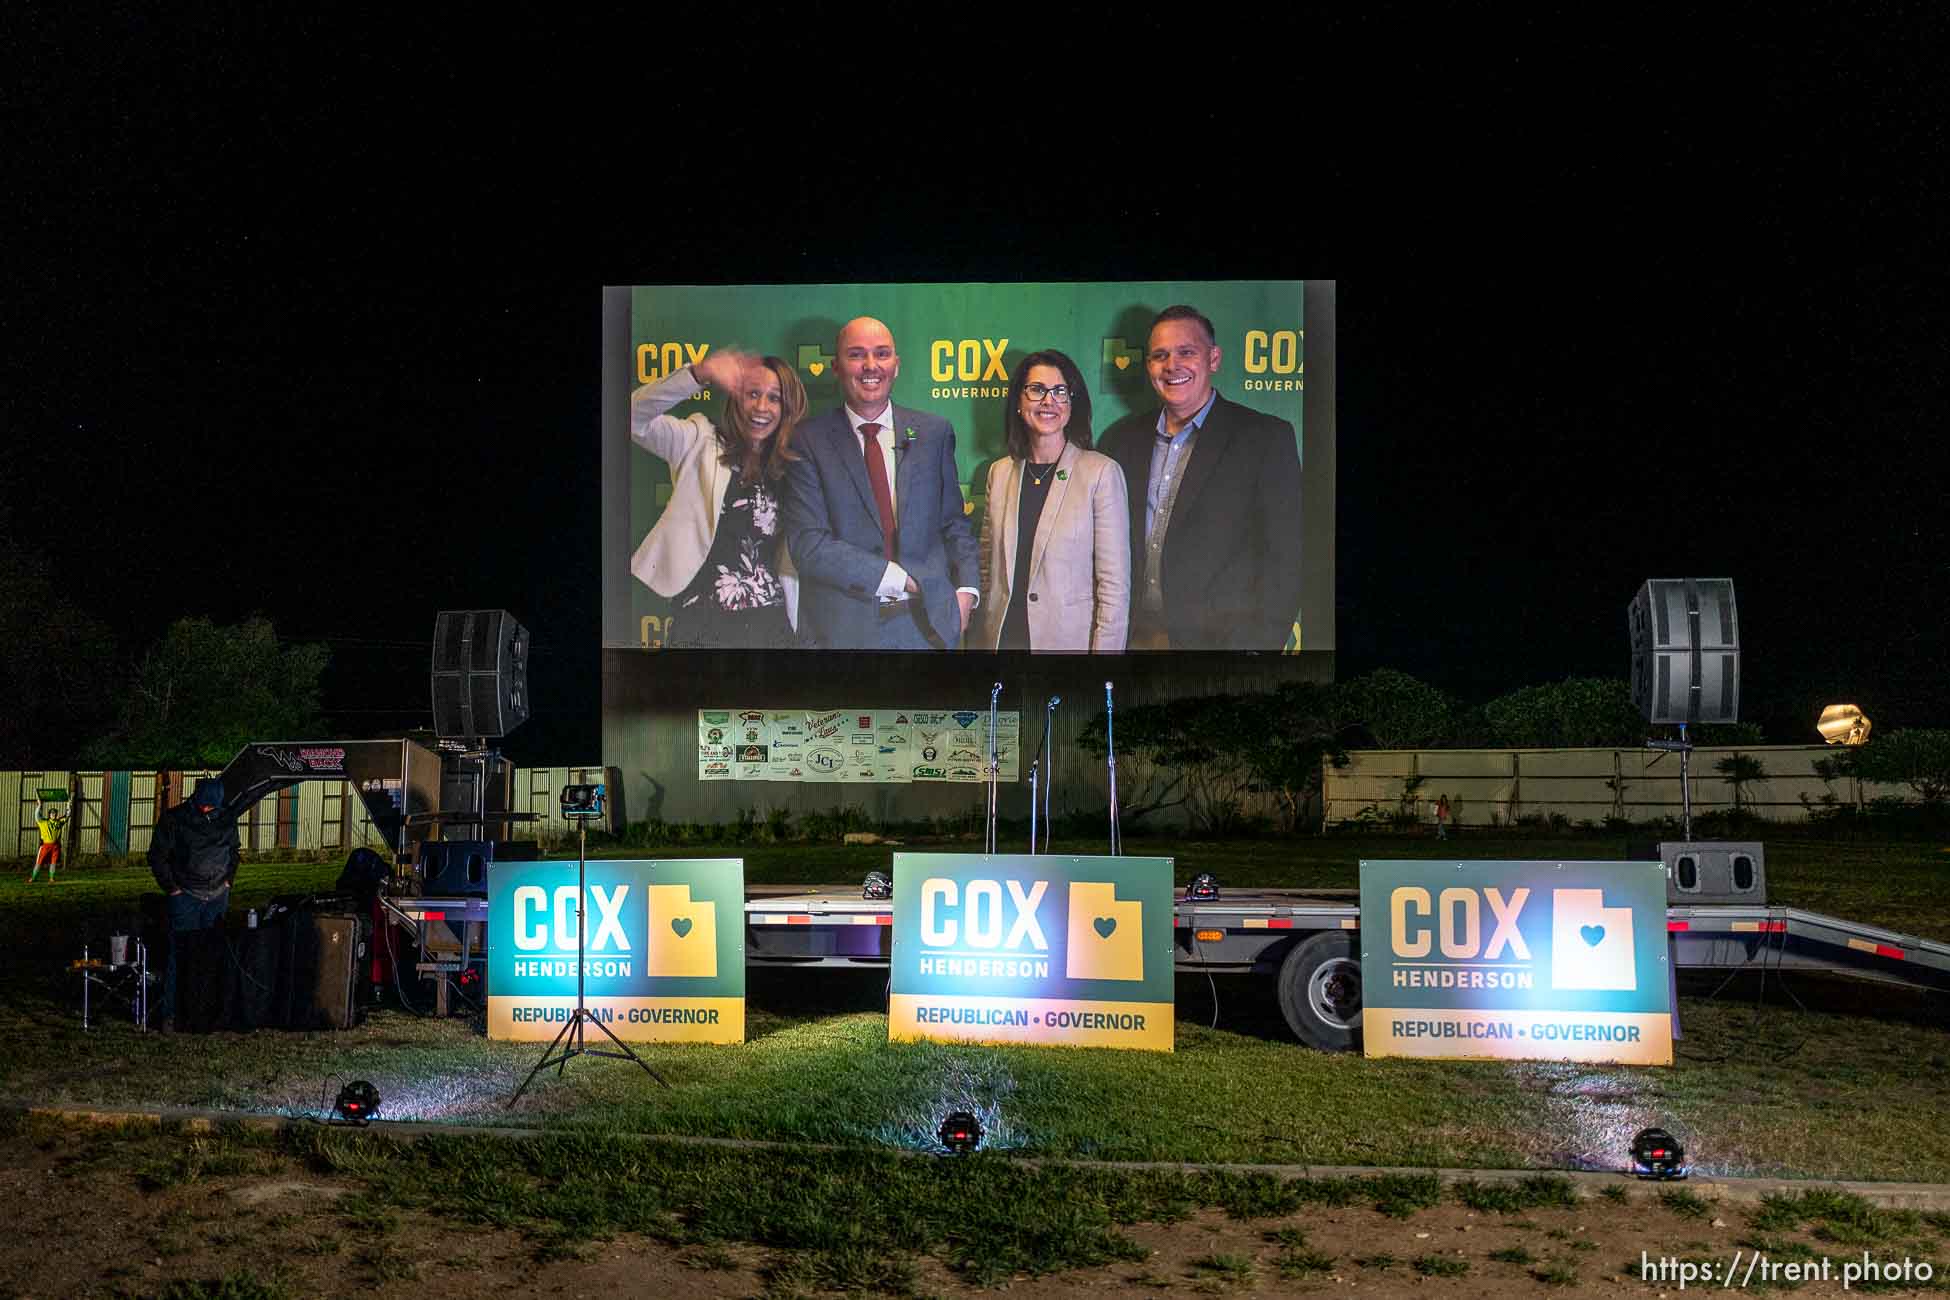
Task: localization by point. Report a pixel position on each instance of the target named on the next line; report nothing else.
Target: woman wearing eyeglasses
(1056, 533)
(716, 550)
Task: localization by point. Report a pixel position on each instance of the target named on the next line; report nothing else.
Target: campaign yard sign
(664, 960)
(1015, 948)
(1563, 961)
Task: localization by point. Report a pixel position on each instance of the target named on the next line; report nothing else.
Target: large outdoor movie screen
(1088, 468)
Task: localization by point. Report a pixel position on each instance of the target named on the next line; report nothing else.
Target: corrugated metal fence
(1488, 787)
(115, 812)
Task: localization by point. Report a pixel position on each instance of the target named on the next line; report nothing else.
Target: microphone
(996, 691)
(1055, 700)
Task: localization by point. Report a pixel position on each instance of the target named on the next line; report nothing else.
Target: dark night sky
(322, 341)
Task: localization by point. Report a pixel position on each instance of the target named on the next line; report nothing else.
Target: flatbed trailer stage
(1305, 939)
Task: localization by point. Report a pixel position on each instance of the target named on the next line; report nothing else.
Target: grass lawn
(1852, 1084)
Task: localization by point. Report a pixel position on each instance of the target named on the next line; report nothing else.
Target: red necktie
(883, 495)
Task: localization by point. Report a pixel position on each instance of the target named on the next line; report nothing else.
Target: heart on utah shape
(1105, 925)
(681, 924)
(817, 367)
(1593, 934)
(1122, 363)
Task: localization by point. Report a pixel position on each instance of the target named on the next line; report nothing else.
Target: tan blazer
(1079, 595)
(673, 551)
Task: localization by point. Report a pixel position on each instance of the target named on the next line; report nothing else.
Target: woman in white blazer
(716, 550)
(1056, 533)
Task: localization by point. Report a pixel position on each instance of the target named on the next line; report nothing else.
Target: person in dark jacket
(193, 856)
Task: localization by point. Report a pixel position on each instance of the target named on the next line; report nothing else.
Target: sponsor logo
(963, 774)
(900, 720)
(866, 721)
(716, 719)
(964, 756)
(826, 759)
(717, 769)
(929, 737)
(893, 738)
(965, 719)
(751, 735)
(752, 754)
(305, 759)
(930, 774)
(714, 735)
(861, 740)
(930, 753)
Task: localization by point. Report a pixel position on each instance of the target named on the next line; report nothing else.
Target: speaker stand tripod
(570, 1039)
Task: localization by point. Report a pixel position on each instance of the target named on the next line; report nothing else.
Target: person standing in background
(193, 855)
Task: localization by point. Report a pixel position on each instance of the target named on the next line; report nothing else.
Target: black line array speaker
(1685, 650)
(480, 673)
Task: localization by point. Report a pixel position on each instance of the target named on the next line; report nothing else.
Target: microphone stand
(1049, 781)
(995, 766)
(1110, 754)
(1049, 712)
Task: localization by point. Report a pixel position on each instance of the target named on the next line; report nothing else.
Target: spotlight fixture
(1657, 1154)
(358, 1102)
(960, 1133)
(1204, 888)
(1843, 724)
(876, 886)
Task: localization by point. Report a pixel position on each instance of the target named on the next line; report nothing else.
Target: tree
(204, 691)
(1193, 753)
(1303, 729)
(1739, 770)
(1579, 712)
(55, 661)
(1918, 757)
(1397, 711)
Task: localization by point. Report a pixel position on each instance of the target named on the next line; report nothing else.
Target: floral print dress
(736, 599)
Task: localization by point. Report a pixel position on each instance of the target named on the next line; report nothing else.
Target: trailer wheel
(1320, 991)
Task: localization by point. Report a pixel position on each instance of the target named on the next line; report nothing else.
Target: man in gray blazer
(874, 516)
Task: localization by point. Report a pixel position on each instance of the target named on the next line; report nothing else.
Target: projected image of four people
(847, 530)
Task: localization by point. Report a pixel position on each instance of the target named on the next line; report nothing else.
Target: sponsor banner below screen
(1066, 1022)
(1629, 1038)
(640, 1020)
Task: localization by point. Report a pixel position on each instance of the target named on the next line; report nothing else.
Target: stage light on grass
(960, 1133)
(1657, 1154)
(358, 1103)
(1204, 888)
(876, 886)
